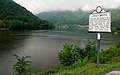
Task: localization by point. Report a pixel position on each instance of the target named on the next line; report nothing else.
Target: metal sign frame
(100, 21)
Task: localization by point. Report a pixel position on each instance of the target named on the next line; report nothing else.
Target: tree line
(13, 16)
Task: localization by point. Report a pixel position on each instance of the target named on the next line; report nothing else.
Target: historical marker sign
(100, 21)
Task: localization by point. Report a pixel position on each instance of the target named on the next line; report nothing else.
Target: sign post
(99, 22)
(98, 45)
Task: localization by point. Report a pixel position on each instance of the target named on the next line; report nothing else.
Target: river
(43, 46)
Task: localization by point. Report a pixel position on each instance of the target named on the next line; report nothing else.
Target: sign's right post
(99, 22)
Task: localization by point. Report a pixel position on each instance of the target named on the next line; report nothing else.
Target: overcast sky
(37, 6)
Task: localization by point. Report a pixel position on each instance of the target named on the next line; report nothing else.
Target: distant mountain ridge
(65, 17)
(14, 16)
(75, 17)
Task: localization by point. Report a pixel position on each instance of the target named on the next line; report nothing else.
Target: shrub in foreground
(110, 55)
(22, 66)
(71, 54)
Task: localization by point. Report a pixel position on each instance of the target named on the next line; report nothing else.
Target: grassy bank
(109, 59)
(78, 69)
(76, 61)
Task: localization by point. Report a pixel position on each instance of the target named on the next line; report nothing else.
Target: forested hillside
(76, 17)
(65, 17)
(14, 16)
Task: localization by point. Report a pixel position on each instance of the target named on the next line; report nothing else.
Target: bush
(110, 55)
(22, 65)
(66, 56)
(90, 50)
(71, 54)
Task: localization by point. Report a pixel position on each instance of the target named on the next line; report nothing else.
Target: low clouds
(37, 6)
(102, 3)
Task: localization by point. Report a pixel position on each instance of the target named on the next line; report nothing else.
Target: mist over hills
(65, 17)
(76, 17)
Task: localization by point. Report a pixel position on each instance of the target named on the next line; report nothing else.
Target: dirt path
(114, 71)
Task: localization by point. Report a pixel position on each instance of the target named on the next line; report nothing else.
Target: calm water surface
(42, 46)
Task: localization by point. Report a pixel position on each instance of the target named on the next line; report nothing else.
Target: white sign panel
(100, 22)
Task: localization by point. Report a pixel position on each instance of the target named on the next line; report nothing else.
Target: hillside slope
(75, 17)
(14, 16)
(65, 17)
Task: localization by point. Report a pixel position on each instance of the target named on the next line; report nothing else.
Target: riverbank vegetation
(75, 60)
(84, 65)
(78, 69)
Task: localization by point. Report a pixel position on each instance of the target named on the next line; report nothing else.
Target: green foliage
(118, 27)
(78, 69)
(15, 17)
(22, 65)
(118, 45)
(110, 55)
(65, 56)
(109, 59)
(46, 72)
(71, 54)
(90, 50)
